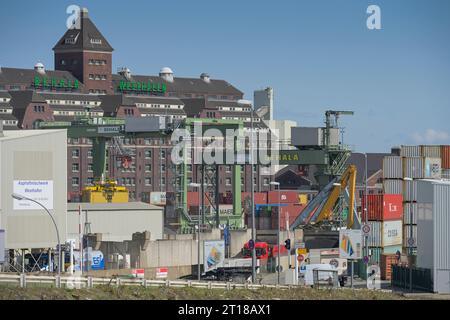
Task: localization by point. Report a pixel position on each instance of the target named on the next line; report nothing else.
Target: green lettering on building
(142, 87)
(43, 82)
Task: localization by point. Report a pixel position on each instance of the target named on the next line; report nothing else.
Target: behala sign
(142, 87)
(55, 83)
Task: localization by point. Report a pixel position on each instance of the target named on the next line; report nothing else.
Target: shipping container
(383, 207)
(445, 157)
(445, 174)
(430, 151)
(259, 197)
(283, 196)
(393, 249)
(410, 190)
(407, 235)
(393, 186)
(432, 168)
(374, 239)
(433, 223)
(288, 213)
(410, 151)
(192, 199)
(413, 167)
(391, 233)
(392, 167)
(410, 213)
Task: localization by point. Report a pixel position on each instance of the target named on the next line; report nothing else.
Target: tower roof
(83, 36)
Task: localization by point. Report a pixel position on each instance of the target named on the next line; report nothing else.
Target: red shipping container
(445, 157)
(383, 207)
(192, 199)
(289, 212)
(283, 197)
(260, 197)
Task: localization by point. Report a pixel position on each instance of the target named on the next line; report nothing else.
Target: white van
(306, 273)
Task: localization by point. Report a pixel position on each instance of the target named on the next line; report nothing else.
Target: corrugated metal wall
(392, 167)
(441, 216)
(408, 209)
(393, 186)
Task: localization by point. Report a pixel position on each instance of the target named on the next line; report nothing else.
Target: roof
(113, 206)
(21, 99)
(374, 163)
(184, 85)
(88, 37)
(59, 107)
(194, 106)
(69, 96)
(7, 116)
(26, 76)
(110, 103)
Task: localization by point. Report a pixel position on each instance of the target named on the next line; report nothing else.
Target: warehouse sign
(142, 87)
(38, 190)
(42, 82)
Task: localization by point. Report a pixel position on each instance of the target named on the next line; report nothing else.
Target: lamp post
(248, 103)
(273, 183)
(409, 244)
(21, 198)
(198, 185)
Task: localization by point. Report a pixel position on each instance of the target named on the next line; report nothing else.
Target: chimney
(84, 13)
(205, 77)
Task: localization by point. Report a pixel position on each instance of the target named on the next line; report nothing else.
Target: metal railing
(74, 282)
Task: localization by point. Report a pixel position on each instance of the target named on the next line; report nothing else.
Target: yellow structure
(105, 192)
(302, 198)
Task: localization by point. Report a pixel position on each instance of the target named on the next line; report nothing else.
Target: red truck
(264, 250)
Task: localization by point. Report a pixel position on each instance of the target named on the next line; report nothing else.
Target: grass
(163, 293)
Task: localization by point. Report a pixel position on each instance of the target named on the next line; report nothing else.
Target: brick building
(83, 85)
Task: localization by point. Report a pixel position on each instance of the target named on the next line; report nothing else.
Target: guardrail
(76, 282)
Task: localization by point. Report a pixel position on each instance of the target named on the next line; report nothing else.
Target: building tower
(85, 52)
(263, 101)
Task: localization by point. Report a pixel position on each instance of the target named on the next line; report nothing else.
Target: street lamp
(273, 183)
(21, 198)
(248, 103)
(409, 244)
(198, 185)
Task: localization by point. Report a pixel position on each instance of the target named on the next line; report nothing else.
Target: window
(148, 154)
(91, 77)
(90, 181)
(90, 167)
(75, 167)
(242, 181)
(266, 181)
(163, 154)
(90, 153)
(228, 168)
(163, 181)
(75, 153)
(75, 181)
(163, 168)
(148, 167)
(254, 181)
(148, 181)
(228, 181)
(189, 167)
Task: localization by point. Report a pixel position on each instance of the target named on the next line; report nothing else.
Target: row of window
(266, 181)
(10, 122)
(158, 106)
(97, 77)
(5, 111)
(65, 62)
(97, 62)
(73, 102)
(39, 108)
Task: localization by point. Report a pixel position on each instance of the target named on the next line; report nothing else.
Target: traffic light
(287, 244)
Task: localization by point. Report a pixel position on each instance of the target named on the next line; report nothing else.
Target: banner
(214, 254)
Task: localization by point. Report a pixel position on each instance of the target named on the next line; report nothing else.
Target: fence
(23, 281)
(422, 279)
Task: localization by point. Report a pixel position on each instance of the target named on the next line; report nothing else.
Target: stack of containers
(385, 213)
(419, 162)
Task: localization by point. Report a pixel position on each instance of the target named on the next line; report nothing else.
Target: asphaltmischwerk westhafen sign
(142, 87)
(43, 82)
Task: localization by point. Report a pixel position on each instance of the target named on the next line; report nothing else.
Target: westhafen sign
(38, 190)
(43, 82)
(142, 87)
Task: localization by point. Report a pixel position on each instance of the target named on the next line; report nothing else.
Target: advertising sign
(392, 233)
(350, 244)
(38, 190)
(214, 254)
(161, 273)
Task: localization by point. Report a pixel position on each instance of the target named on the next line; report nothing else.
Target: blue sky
(317, 55)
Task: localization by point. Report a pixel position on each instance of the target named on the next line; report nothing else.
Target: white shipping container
(393, 186)
(413, 167)
(430, 151)
(432, 168)
(408, 210)
(392, 167)
(410, 190)
(445, 174)
(410, 151)
(407, 235)
(392, 233)
(433, 225)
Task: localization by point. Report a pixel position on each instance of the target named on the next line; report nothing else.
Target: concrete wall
(118, 225)
(33, 155)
